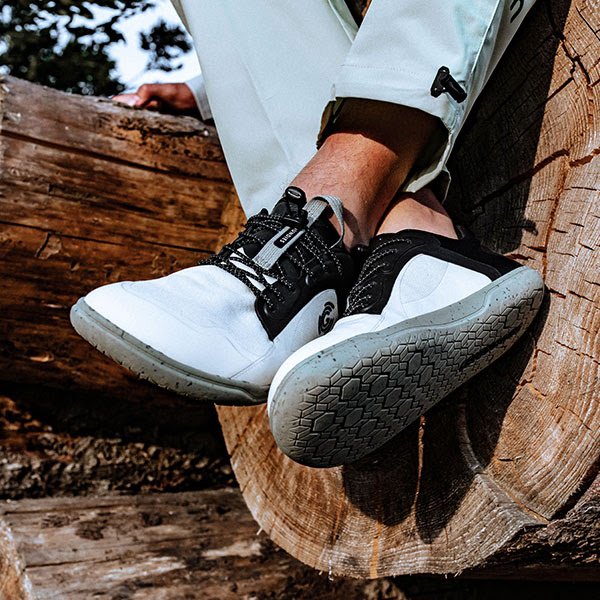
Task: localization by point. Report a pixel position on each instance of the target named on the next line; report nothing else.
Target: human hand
(166, 97)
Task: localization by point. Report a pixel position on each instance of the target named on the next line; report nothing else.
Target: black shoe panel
(389, 254)
(338, 275)
(317, 261)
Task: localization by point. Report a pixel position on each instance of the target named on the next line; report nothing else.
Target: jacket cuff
(198, 89)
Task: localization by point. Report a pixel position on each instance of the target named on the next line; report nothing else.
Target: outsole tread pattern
(360, 405)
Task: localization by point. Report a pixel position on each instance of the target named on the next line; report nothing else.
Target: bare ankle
(420, 210)
(365, 160)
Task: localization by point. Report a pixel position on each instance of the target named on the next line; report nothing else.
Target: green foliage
(66, 45)
(164, 43)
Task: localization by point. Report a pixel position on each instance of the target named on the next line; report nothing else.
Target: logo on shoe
(327, 320)
(286, 237)
(518, 4)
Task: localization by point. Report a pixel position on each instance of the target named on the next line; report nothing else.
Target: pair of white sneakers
(259, 321)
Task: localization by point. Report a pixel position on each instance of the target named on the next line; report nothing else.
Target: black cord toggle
(445, 83)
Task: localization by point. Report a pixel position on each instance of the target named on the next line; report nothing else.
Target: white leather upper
(204, 318)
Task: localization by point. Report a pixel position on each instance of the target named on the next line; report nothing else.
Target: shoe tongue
(292, 209)
(290, 206)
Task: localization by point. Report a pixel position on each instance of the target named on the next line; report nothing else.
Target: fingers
(151, 93)
(128, 99)
(173, 97)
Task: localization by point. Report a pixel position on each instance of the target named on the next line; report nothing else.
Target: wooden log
(91, 193)
(206, 545)
(168, 546)
(520, 443)
(13, 582)
(568, 548)
(510, 452)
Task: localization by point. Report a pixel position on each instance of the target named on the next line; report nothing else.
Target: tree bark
(206, 545)
(92, 193)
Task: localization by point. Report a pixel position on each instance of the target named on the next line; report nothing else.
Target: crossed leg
(423, 309)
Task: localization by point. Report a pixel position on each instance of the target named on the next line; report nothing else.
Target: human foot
(426, 314)
(220, 330)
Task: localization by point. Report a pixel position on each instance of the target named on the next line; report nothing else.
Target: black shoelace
(362, 293)
(308, 254)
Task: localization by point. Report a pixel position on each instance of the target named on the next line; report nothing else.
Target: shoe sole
(147, 363)
(348, 400)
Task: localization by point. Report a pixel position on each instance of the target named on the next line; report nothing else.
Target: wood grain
(91, 193)
(487, 476)
(168, 546)
(206, 545)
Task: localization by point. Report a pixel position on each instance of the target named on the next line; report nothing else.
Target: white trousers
(271, 68)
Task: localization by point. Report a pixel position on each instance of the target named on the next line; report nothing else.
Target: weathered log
(199, 545)
(168, 546)
(89, 194)
(512, 451)
(552, 552)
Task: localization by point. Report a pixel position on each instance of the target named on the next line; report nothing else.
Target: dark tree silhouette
(66, 45)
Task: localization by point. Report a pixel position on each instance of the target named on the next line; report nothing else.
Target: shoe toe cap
(127, 306)
(125, 310)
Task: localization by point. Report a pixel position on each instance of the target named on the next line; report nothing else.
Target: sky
(132, 61)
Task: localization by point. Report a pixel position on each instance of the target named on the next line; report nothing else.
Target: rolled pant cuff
(370, 84)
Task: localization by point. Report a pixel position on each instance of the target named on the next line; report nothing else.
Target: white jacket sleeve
(198, 88)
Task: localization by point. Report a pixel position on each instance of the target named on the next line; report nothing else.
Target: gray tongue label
(285, 237)
(280, 243)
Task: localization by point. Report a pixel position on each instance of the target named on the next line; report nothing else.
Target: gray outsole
(347, 401)
(148, 363)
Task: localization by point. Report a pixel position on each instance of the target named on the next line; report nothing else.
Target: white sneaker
(426, 314)
(220, 331)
